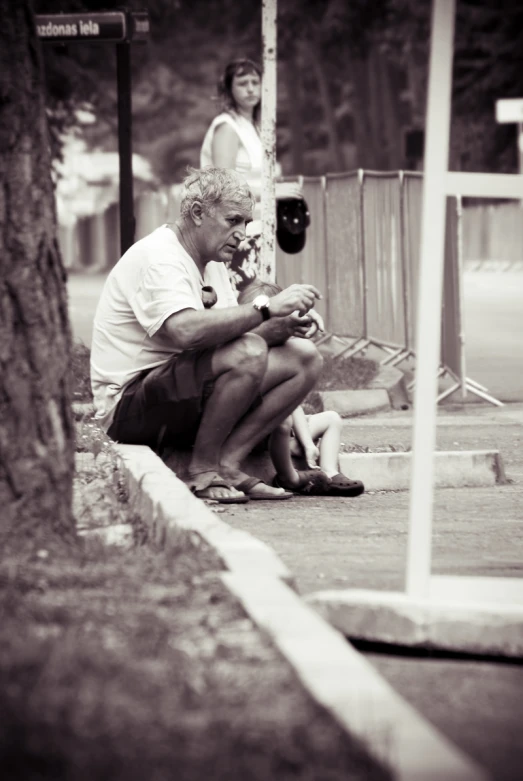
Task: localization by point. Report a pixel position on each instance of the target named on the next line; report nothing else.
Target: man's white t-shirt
(155, 278)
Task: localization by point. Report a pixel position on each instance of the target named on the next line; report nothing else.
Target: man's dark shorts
(162, 407)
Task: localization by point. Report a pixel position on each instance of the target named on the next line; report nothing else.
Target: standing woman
(233, 141)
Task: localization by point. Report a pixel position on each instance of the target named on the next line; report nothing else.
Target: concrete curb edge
(342, 681)
(168, 506)
(485, 628)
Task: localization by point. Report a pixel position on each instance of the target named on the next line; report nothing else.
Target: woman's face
(246, 90)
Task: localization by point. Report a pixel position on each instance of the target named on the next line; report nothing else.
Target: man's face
(222, 230)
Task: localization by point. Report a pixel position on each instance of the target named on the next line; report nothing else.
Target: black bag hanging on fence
(292, 221)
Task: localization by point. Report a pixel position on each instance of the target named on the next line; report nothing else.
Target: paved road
(361, 543)
(493, 321)
(493, 327)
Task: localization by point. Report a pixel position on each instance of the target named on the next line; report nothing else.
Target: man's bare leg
(239, 368)
(292, 371)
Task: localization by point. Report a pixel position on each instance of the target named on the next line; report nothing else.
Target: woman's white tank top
(248, 159)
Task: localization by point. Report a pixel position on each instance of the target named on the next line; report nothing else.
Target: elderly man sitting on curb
(175, 361)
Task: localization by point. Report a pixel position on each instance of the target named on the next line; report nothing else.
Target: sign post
(121, 28)
(429, 299)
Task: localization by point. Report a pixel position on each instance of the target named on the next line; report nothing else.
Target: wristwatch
(261, 303)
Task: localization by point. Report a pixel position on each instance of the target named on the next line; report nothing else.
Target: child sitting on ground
(315, 438)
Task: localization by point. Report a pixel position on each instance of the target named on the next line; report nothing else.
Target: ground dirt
(134, 663)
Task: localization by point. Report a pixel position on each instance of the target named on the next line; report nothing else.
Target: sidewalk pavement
(330, 543)
(347, 543)
(361, 543)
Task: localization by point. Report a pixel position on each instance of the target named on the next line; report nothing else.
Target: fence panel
(412, 192)
(92, 242)
(451, 354)
(309, 265)
(385, 315)
(345, 291)
(112, 234)
(493, 233)
(68, 242)
(150, 210)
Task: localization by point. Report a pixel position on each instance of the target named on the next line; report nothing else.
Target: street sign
(107, 26)
(509, 110)
(124, 28)
(139, 25)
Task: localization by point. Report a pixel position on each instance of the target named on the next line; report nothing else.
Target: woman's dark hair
(239, 67)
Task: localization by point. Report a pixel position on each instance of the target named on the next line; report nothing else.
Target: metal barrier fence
(365, 230)
(493, 235)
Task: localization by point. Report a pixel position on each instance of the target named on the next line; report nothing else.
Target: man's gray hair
(212, 186)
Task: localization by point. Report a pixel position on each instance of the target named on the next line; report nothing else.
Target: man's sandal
(208, 492)
(248, 486)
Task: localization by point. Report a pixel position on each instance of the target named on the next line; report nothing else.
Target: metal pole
(520, 152)
(123, 78)
(268, 137)
(429, 298)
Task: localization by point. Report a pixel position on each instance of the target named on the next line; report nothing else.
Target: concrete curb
(387, 390)
(347, 686)
(167, 505)
(453, 469)
(387, 471)
(491, 628)
(351, 403)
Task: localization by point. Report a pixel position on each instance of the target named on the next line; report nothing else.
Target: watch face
(261, 303)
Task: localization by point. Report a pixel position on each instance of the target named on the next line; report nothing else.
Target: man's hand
(306, 326)
(296, 298)
(277, 330)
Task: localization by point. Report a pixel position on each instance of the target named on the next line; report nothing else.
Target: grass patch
(138, 664)
(80, 373)
(347, 373)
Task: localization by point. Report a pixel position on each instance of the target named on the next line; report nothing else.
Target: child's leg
(280, 452)
(327, 425)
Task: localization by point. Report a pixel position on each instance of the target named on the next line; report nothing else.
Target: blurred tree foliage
(351, 79)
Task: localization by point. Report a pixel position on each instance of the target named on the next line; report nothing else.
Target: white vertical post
(268, 137)
(520, 147)
(429, 297)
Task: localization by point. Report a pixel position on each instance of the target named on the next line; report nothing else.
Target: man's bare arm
(192, 329)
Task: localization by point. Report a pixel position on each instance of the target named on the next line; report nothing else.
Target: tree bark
(315, 58)
(293, 82)
(36, 426)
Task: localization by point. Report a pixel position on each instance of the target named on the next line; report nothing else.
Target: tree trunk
(315, 58)
(295, 120)
(364, 131)
(36, 426)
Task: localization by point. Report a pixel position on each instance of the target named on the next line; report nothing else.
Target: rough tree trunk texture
(292, 75)
(337, 157)
(36, 426)
(364, 132)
